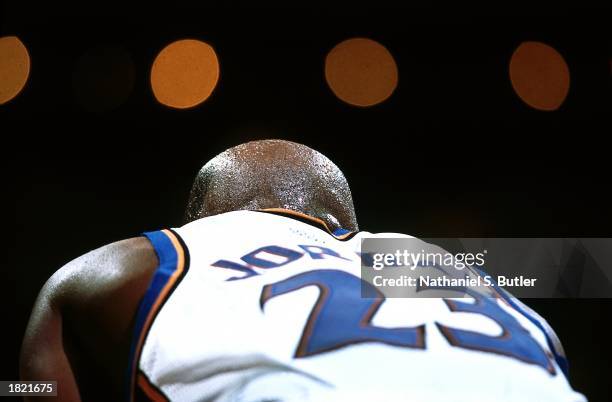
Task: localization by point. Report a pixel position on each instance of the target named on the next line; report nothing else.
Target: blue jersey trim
(524, 310)
(340, 232)
(169, 263)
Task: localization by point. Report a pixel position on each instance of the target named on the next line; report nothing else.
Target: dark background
(454, 151)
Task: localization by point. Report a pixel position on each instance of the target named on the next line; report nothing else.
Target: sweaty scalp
(273, 174)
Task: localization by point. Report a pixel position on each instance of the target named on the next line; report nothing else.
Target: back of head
(273, 174)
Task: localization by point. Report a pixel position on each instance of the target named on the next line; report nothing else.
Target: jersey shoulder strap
(173, 257)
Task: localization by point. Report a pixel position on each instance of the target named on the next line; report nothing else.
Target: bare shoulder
(99, 292)
(104, 271)
(97, 296)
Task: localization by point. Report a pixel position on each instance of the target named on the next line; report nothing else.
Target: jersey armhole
(173, 264)
(552, 340)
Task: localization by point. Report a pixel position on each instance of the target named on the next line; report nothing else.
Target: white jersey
(266, 306)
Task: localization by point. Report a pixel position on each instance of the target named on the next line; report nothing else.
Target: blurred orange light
(184, 73)
(539, 75)
(361, 72)
(14, 67)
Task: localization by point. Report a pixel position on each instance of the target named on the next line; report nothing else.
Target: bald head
(273, 174)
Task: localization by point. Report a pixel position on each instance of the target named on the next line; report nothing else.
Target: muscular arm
(81, 323)
(43, 356)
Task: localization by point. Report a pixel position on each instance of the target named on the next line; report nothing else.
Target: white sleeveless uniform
(266, 306)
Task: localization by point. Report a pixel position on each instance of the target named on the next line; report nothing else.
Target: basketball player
(257, 298)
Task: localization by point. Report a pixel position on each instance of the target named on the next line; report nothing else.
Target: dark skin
(80, 329)
(81, 326)
(273, 174)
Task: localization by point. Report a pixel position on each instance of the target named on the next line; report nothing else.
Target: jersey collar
(340, 234)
